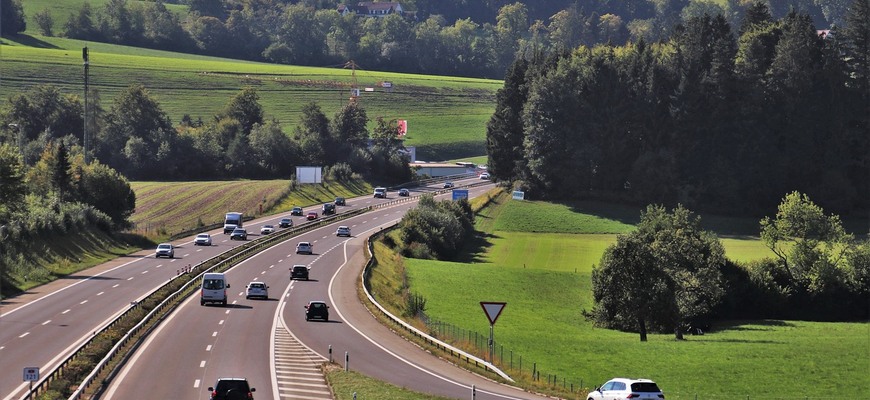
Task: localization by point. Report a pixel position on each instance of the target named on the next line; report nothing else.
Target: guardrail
(221, 262)
(462, 355)
(224, 261)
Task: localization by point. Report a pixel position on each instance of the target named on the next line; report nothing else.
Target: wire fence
(517, 366)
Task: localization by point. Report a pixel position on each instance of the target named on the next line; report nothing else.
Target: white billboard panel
(309, 174)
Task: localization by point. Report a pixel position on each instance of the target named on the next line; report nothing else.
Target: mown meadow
(446, 115)
(538, 257)
(169, 207)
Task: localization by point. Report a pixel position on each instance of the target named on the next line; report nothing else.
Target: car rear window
(225, 386)
(644, 387)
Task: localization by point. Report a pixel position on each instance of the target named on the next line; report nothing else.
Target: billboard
(309, 174)
(459, 194)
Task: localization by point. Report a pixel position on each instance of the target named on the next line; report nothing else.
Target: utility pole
(86, 138)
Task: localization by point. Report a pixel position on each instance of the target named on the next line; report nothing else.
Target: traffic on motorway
(45, 328)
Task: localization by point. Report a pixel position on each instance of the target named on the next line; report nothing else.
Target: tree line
(136, 137)
(712, 119)
(468, 37)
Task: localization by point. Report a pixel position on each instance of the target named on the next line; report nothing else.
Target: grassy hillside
(165, 208)
(446, 115)
(545, 278)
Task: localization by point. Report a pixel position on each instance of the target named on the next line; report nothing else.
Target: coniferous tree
(504, 131)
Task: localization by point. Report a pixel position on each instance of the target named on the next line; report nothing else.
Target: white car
(165, 250)
(257, 289)
(342, 231)
(203, 239)
(304, 247)
(625, 388)
(484, 176)
(267, 229)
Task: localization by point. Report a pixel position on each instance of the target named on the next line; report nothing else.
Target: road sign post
(492, 310)
(31, 374)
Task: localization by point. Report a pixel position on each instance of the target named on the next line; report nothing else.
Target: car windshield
(164, 246)
(213, 284)
(257, 285)
(317, 305)
(644, 387)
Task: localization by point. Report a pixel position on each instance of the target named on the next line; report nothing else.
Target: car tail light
(214, 394)
(632, 395)
(250, 395)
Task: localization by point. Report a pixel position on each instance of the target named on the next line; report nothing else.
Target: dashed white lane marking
(221, 322)
(208, 348)
(100, 294)
(116, 285)
(46, 323)
(130, 278)
(23, 335)
(83, 302)
(144, 272)
(65, 311)
(214, 334)
(196, 384)
(202, 364)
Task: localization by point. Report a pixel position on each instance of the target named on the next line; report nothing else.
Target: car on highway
(239, 234)
(380, 192)
(340, 201)
(285, 223)
(164, 250)
(448, 185)
(298, 271)
(296, 211)
(404, 192)
(267, 229)
(304, 248)
(203, 239)
(316, 310)
(484, 176)
(257, 289)
(342, 231)
(328, 208)
(627, 388)
(231, 389)
(312, 215)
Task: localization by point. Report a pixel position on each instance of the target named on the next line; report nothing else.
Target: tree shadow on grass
(475, 249)
(752, 325)
(31, 41)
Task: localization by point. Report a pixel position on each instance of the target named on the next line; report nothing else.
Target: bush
(340, 172)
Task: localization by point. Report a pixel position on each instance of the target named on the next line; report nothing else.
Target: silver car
(203, 239)
(165, 250)
(304, 248)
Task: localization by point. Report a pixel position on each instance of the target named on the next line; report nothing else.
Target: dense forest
(477, 38)
(714, 119)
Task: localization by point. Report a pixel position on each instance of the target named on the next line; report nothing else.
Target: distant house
(372, 9)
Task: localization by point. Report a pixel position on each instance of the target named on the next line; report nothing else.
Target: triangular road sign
(492, 310)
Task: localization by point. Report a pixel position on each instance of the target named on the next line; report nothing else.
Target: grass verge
(545, 280)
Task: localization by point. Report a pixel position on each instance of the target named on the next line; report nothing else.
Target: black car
(316, 310)
(339, 201)
(231, 389)
(285, 223)
(296, 211)
(328, 208)
(239, 234)
(299, 272)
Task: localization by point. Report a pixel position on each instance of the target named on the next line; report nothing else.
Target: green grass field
(61, 11)
(545, 278)
(446, 115)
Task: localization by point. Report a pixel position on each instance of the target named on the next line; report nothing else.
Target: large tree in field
(12, 17)
(811, 246)
(245, 107)
(669, 261)
(629, 288)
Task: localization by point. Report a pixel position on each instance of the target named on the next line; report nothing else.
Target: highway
(248, 338)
